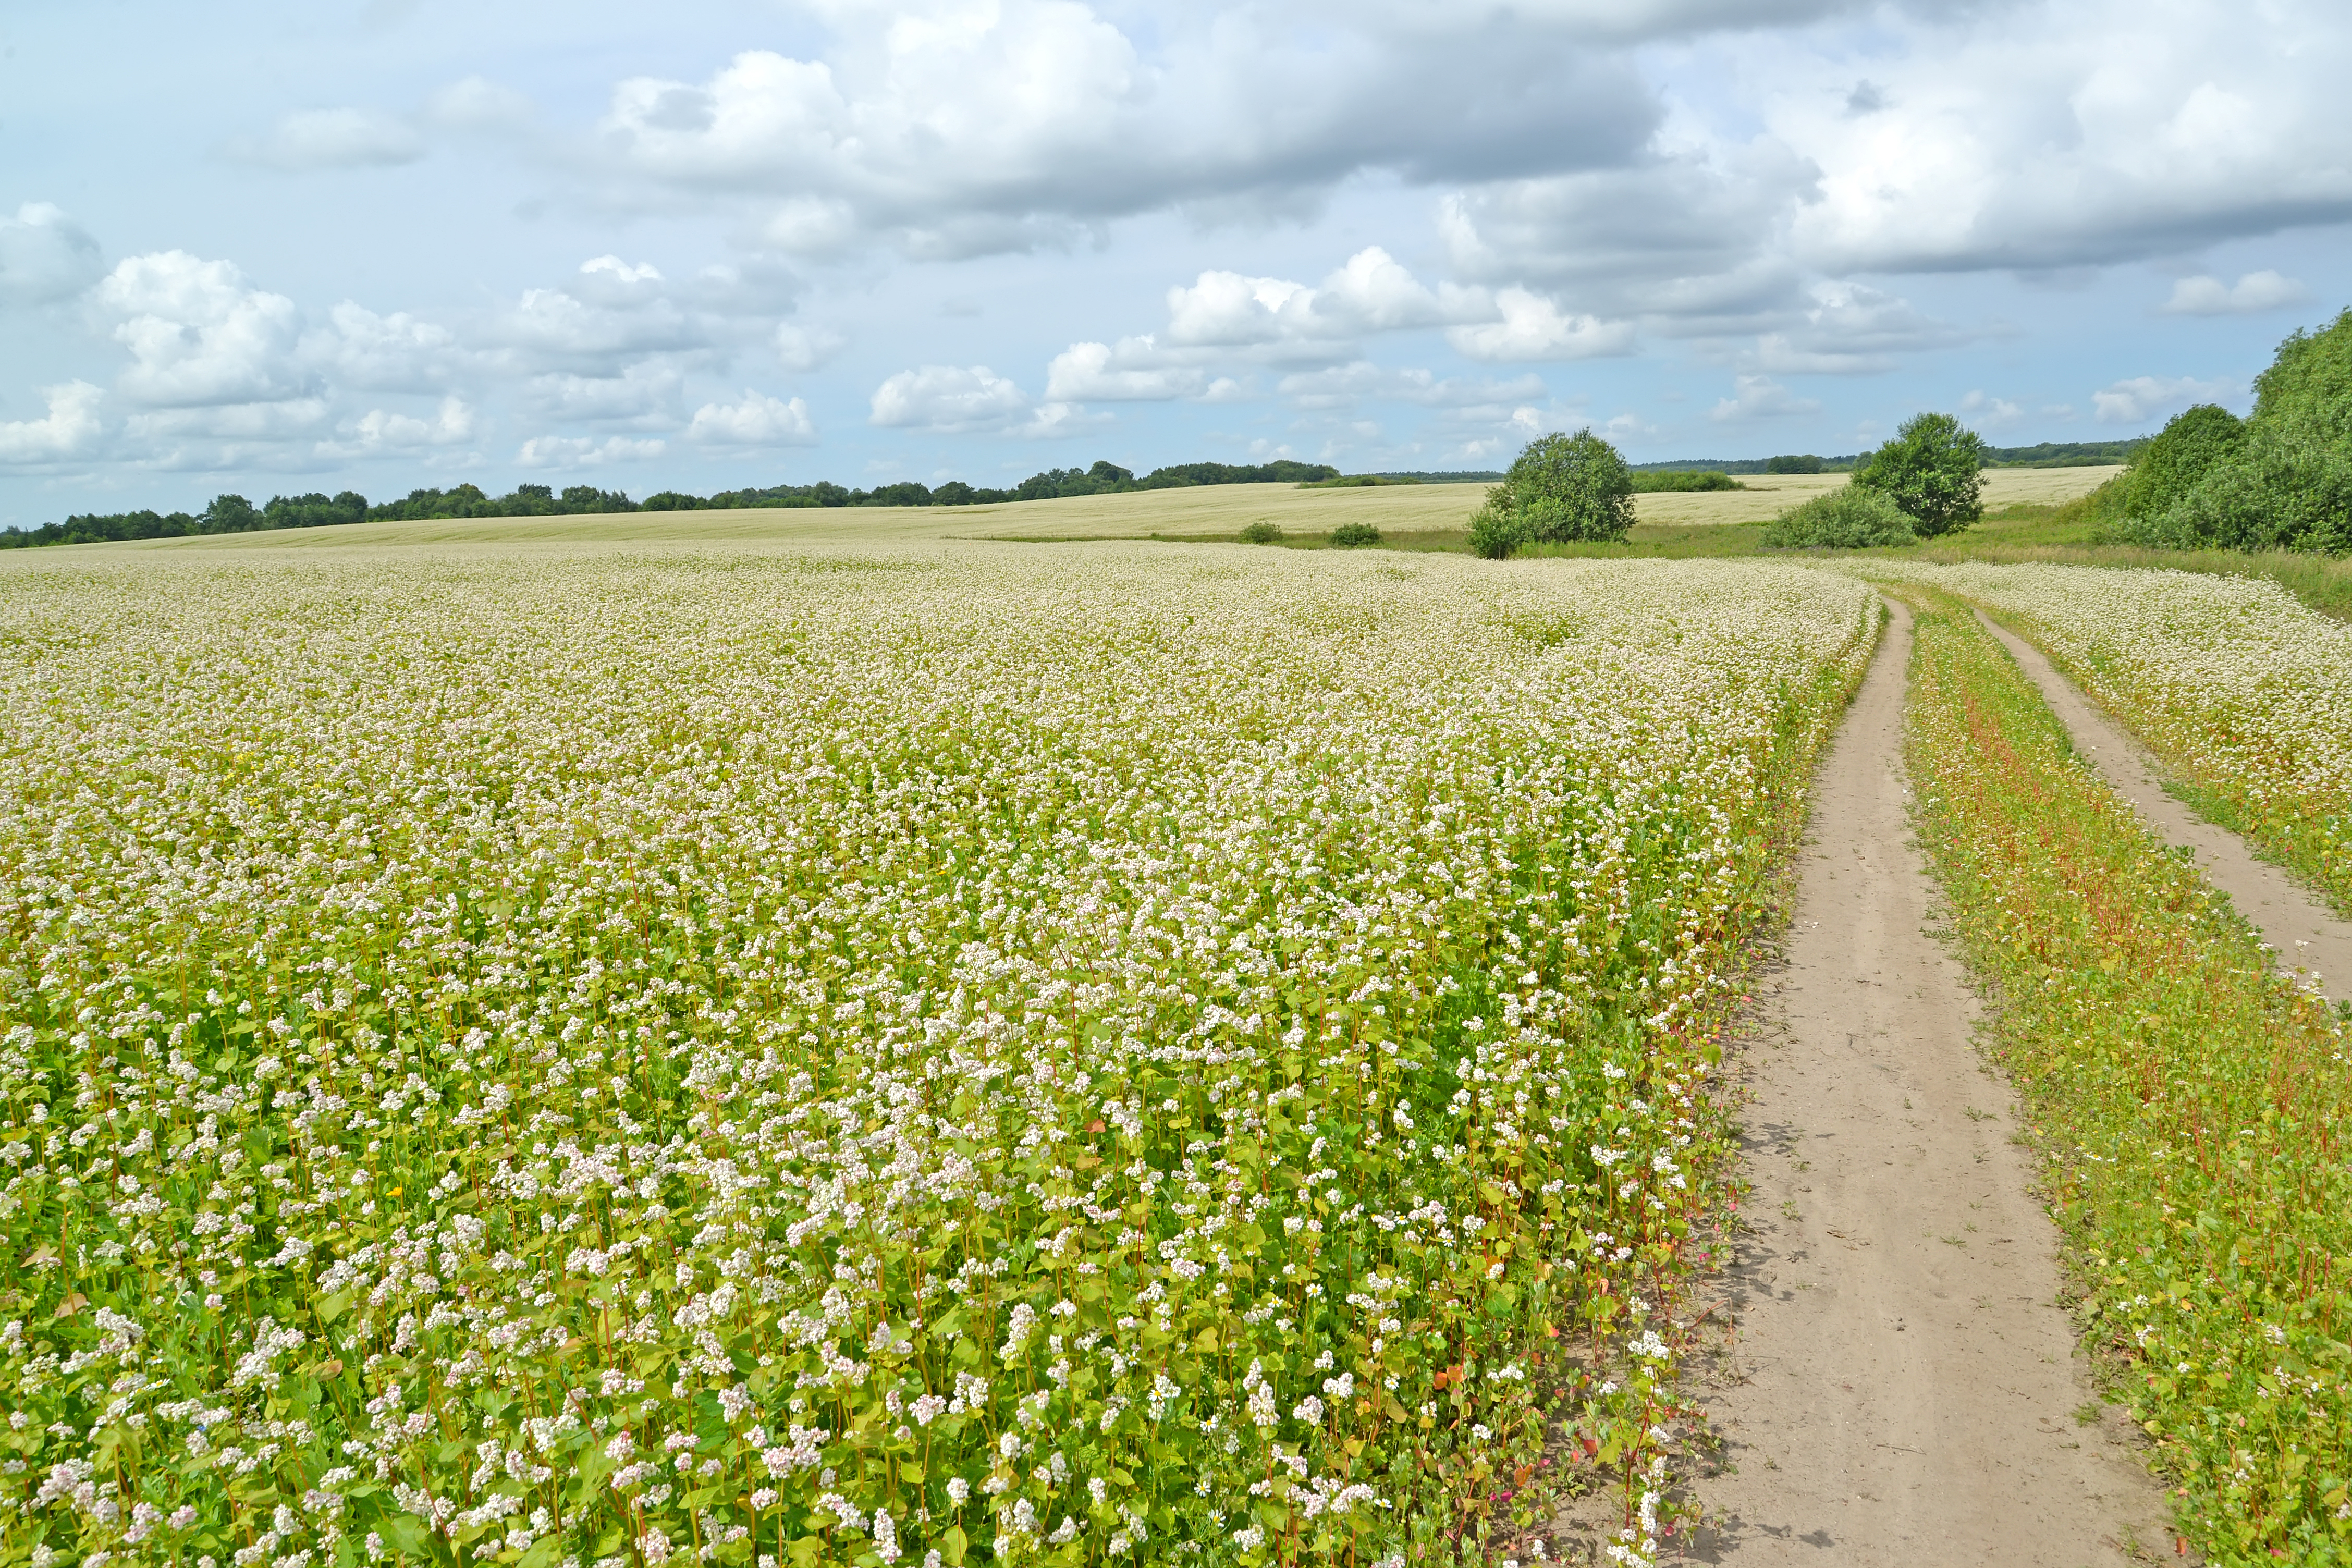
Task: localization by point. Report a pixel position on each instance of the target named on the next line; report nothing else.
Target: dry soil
(1899, 1387)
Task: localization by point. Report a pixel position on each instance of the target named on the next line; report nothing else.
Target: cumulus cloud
(757, 420)
(2147, 130)
(2208, 296)
(1986, 411)
(398, 352)
(584, 452)
(972, 129)
(381, 432)
(71, 428)
(2143, 399)
(1372, 292)
(804, 348)
(198, 335)
(317, 138)
(45, 256)
(1133, 371)
(1760, 397)
(646, 394)
(1851, 328)
(1534, 328)
(953, 399)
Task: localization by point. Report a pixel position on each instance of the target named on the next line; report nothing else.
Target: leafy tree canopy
(1933, 471)
(1562, 489)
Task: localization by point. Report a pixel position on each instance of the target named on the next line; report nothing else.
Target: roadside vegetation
(2192, 1107)
(2242, 693)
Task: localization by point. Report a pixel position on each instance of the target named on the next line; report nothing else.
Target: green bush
(1933, 470)
(1562, 490)
(2286, 482)
(1355, 535)
(1262, 532)
(1678, 479)
(1497, 531)
(1851, 518)
(2187, 450)
(1807, 464)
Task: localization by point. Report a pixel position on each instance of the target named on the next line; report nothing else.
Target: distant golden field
(1203, 511)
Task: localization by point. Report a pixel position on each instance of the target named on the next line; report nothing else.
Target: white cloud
(2207, 296)
(398, 352)
(334, 139)
(1989, 413)
(805, 348)
(71, 427)
(645, 393)
(1760, 397)
(1345, 385)
(1533, 328)
(574, 451)
(947, 397)
(1372, 292)
(197, 336)
(2144, 398)
(2149, 127)
(952, 399)
(958, 127)
(1132, 371)
(758, 421)
(45, 256)
(382, 432)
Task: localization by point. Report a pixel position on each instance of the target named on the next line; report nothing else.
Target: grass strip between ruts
(2191, 1107)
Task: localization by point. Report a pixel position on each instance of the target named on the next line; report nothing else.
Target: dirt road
(1901, 1389)
(2302, 931)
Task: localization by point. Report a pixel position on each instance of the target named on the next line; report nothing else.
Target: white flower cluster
(558, 1057)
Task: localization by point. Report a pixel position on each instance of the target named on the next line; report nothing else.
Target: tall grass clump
(2194, 1110)
(853, 1060)
(1847, 518)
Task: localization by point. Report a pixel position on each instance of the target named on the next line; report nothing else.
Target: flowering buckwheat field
(1107, 1054)
(2242, 691)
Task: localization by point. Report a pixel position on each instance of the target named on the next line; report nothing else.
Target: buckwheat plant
(1063, 1055)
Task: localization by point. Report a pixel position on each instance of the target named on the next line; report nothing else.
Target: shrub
(2286, 482)
(1355, 535)
(1262, 532)
(1685, 479)
(1495, 530)
(1853, 518)
(1933, 471)
(1562, 490)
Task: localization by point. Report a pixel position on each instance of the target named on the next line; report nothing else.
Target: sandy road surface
(1899, 1388)
(2300, 928)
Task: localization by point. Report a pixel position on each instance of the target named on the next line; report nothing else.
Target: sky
(276, 248)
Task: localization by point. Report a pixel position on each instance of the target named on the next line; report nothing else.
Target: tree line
(235, 515)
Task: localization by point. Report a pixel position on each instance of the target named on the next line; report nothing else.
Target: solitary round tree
(1933, 470)
(1562, 490)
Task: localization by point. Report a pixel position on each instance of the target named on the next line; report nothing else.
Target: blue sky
(276, 248)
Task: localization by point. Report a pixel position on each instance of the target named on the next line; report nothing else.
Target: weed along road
(1900, 1387)
(2300, 929)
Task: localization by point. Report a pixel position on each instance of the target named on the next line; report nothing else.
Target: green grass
(2191, 1107)
(2065, 535)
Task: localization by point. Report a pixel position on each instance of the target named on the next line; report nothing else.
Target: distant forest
(2047, 454)
(235, 515)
